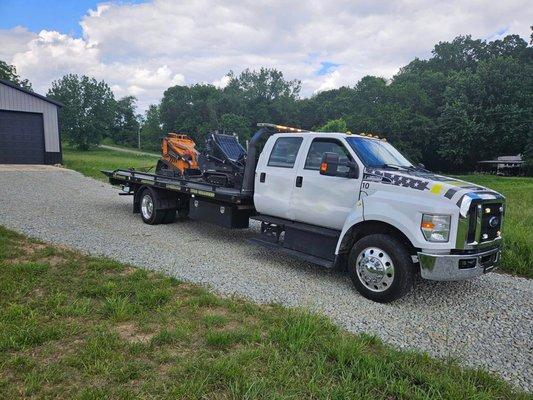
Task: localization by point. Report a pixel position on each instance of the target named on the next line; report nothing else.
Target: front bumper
(455, 267)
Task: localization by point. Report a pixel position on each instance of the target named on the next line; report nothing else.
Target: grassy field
(91, 162)
(518, 224)
(73, 326)
(518, 255)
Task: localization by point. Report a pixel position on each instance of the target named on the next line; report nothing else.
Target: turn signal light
(427, 225)
(323, 167)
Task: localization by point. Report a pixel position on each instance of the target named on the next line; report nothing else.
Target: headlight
(436, 228)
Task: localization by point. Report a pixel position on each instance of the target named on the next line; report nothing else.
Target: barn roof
(11, 84)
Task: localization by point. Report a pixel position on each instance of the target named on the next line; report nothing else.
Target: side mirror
(329, 164)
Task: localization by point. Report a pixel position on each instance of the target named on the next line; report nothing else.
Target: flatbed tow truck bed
(193, 187)
(192, 197)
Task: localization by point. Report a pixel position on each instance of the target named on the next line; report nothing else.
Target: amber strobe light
(281, 127)
(323, 167)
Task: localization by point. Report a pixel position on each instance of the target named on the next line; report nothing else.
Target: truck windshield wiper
(394, 166)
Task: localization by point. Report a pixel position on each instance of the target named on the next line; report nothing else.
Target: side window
(319, 147)
(284, 152)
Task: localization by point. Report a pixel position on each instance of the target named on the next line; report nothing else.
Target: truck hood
(448, 189)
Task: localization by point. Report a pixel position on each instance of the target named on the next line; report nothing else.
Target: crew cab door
(275, 176)
(320, 199)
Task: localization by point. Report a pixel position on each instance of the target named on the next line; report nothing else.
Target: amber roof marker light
(280, 127)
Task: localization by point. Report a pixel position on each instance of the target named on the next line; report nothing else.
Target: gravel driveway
(484, 322)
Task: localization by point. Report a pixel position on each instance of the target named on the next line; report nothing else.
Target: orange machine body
(180, 151)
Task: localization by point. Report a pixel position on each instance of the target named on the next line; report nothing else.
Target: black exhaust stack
(251, 160)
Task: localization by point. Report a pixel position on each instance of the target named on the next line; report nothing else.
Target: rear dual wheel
(150, 212)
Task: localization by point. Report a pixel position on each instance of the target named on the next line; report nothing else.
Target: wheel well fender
(364, 228)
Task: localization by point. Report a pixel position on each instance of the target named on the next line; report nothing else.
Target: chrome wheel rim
(147, 206)
(375, 269)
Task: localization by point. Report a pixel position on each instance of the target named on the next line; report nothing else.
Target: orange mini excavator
(179, 156)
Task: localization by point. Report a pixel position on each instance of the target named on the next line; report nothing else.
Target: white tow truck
(338, 199)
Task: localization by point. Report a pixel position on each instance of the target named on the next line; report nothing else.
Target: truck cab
(354, 200)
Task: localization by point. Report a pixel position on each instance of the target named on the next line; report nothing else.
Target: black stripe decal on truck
(450, 192)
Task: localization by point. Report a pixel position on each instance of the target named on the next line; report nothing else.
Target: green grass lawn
(91, 162)
(518, 254)
(518, 224)
(74, 326)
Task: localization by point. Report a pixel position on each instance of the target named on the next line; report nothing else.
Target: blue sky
(59, 15)
(326, 67)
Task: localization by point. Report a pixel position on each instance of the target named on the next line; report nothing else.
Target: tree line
(471, 100)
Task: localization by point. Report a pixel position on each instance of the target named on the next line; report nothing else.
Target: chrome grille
(484, 221)
(491, 221)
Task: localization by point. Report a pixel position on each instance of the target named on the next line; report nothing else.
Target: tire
(149, 202)
(385, 272)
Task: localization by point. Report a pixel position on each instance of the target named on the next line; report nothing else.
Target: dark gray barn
(29, 127)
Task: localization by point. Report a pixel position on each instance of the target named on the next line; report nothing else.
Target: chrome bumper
(455, 267)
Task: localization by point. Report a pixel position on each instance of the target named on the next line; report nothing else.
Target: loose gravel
(485, 322)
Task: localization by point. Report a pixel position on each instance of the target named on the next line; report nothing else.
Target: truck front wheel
(381, 268)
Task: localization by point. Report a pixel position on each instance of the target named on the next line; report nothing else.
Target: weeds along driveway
(485, 322)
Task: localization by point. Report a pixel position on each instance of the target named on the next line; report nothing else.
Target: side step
(297, 254)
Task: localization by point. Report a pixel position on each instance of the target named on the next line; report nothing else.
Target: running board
(297, 254)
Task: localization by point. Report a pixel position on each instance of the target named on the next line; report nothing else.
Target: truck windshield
(376, 153)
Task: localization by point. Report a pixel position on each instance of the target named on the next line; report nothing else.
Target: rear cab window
(284, 152)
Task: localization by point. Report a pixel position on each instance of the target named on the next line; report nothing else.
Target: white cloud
(141, 49)
(331, 81)
(222, 82)
(14, 41)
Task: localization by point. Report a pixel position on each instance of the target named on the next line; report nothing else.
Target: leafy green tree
(262, 96)
(125, 128)
(334, 125)
(459, 130)
(233, 123)
(461, 53)
(190, 109)
(151, 129)
(528, 154)
(9, 73)
(88, 110)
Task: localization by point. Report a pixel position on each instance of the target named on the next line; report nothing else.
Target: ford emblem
(494, 221)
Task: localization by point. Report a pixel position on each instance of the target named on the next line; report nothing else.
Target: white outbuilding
(29, 127)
